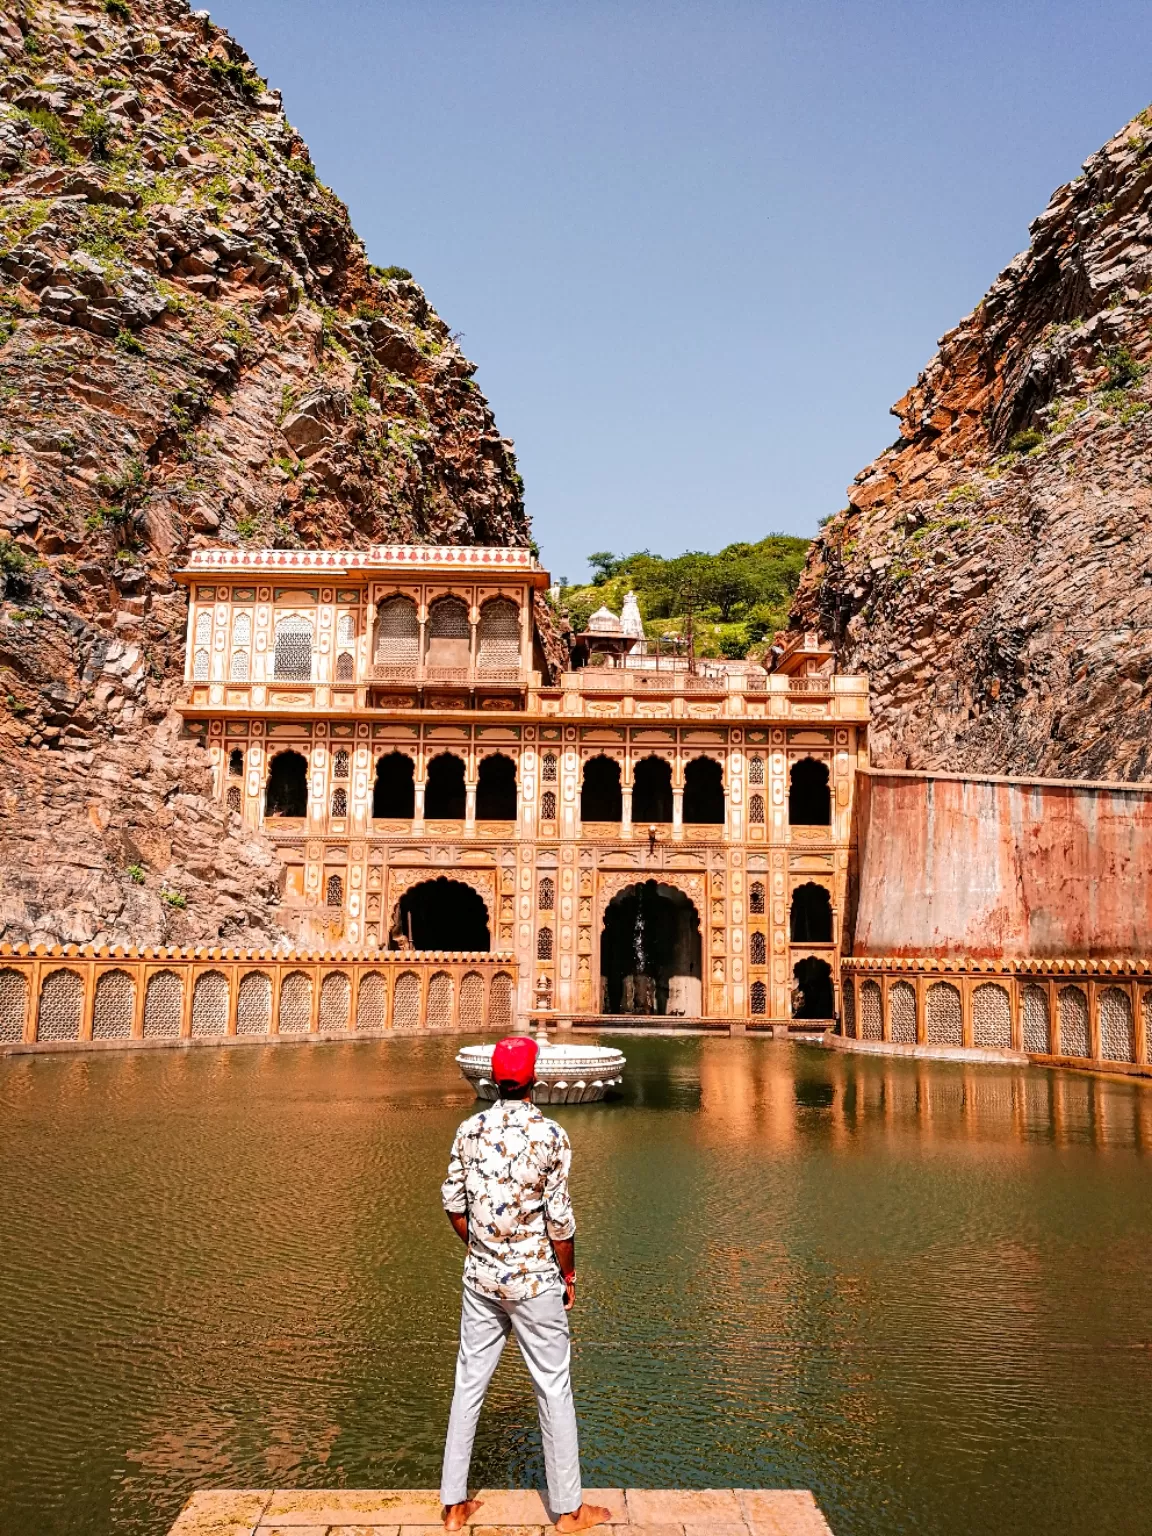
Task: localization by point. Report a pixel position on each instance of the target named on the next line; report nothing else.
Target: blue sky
(697, 250)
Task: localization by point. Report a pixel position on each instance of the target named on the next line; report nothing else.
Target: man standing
(506, 1196)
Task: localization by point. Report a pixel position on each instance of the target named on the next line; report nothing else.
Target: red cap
(514, 1061)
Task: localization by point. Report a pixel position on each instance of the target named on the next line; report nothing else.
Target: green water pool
(923, 1290)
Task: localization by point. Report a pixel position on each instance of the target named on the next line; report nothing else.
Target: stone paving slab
(503, 1512)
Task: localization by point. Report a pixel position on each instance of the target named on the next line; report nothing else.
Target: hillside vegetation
(740, 596)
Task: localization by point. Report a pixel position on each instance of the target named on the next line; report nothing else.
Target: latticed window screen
(544, 944)
(756, 898)
(500, 1001)
(334, 890)
(113, 1006)
(1072, 1012)
(871, 1018)
(902, 1013)
(13, 1005)
(448, 620)
(234, 797)
(943, 1016)
(406, 1001)
(346, 629)
(61, 1002)
(548, 805)
(164, 1004)
(759, 997)
(472, 1001)
(548, 773)
(295, 1003)
(241, 643)
(201, 661)
(335, 1001)
(849, 1008)
(1117, 1027)
(756, 770)
(758, 948)
(440, 1001)
(756, 811)
(293, 650)
(547, 893)
(1036, 1020)
(499, 635)
(1146, 1016)
(254, 1004)
(339, 808)
(345, 670)
(209, 1004)
(991, 1015)
(340, 763)
(398, 633)
(372, 1002)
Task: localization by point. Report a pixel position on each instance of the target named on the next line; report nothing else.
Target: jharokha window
(293, 661)
(340, 763)
(756, 897)
(397, 633)
(548, 773)
(202, 657)
(340, 802)
(547, 893)
(544, 944)
(240, 668)
(334, 891)
(548, 805)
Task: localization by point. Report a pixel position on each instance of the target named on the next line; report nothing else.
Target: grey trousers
(541, 1329)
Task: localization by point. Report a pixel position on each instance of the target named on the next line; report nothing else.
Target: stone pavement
(504, 1512)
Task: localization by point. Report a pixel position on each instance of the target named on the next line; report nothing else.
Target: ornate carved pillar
(470, 806)
(626, 814)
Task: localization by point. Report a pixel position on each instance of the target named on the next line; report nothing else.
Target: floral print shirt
(509, 1173)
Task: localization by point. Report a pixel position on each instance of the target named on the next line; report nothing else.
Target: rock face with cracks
(194, 350)
(992, 572)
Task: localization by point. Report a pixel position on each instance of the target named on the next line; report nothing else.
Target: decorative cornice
(337, 562)
(944, 965)
(200, 952)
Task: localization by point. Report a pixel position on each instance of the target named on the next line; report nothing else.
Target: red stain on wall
(994, 868)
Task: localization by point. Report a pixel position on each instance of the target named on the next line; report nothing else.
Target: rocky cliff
(992, 571)
(195, 350)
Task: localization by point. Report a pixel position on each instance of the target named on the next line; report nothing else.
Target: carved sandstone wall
(992, 572)
(193, 349)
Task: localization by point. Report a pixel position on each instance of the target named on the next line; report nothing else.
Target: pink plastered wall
(994, 868)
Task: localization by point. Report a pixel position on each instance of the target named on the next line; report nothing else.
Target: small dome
(604, 622)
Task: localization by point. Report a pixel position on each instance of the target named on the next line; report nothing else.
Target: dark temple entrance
(814, 982)
(440, 914)
(650, 956)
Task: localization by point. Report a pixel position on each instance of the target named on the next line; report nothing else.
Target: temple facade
(641, 833)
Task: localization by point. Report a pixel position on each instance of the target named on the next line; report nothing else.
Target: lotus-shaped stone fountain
(565, 1074)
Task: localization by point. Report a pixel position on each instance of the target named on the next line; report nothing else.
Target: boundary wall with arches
(1083, 1013)
(70, 997)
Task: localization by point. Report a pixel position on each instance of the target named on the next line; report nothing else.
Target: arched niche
(704, 792)
(444, 793)
(496, 788)
(286, 793)
(652, 791)
(809, 794)
(651, 954)
(394, 789)
(441, 914)
(600, 795)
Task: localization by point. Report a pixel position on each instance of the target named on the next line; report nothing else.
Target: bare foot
(583, 1519)
(456, 1516)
